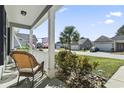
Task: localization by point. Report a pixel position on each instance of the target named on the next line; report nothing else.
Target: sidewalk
(117, 80)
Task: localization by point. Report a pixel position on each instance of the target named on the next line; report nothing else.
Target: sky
(90, 21)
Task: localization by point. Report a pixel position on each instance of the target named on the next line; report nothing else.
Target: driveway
(100, 54)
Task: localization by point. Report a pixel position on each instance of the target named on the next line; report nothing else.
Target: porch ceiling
(34, 14)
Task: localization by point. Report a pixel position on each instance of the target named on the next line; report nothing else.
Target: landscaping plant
(76, 71)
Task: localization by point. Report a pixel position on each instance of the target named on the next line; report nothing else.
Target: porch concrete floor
(11, 77)
(117, 80)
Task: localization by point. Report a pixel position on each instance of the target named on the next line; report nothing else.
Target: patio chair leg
(32, 82)
(18, 80)
(42, 73)
(42, 68)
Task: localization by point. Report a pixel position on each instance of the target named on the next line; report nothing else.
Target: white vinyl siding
(75, 47)
(104, 46)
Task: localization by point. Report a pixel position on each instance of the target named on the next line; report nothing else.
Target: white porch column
(31, 39)
(51, 44)
(13, 35)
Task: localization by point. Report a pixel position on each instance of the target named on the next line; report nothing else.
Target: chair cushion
(29, 70)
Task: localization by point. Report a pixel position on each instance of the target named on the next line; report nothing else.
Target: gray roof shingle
(103, 39)
(82, 41)
(118, 37)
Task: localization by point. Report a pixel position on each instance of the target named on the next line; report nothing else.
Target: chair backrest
(23, 59)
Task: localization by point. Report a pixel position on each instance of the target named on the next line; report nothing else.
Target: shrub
(70, 62)
(76, 70)
(83, 65)
(65, 60)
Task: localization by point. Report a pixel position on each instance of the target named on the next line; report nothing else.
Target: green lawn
(23, 49)
(107, 66)
(119, 53)
(60, 49)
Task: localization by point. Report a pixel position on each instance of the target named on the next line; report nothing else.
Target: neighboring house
(118, 43)
(58, 45)
(115, 43)
(24, 39)
(104, 43)
(75, 46)
(85, 44)
(45, 42)
(82, 44)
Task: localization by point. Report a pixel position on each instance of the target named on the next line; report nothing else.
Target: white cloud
(118, 14)
(109, 21)
(63, 10)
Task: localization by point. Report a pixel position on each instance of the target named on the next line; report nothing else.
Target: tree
(69, 35)
(82, 38)
(120, 31)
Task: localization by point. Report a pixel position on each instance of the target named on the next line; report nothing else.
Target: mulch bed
(82, 81)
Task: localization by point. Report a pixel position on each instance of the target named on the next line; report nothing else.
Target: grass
(107, 66)
(60, 49)
(119, 53)
(84, 50)
(23, 49)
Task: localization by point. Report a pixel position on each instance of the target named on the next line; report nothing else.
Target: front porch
(26, 17)
(10, 75)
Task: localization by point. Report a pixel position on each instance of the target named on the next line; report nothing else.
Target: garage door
(104, 47)
(74, 47)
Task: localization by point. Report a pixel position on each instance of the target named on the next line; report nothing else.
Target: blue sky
(91, 21)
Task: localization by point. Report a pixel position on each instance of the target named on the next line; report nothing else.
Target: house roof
(118, 37)
(25, 36)
(103, 39)
(82, 41)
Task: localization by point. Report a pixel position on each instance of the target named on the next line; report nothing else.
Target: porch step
(10, 66)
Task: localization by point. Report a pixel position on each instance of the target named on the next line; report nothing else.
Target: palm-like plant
(69, 35)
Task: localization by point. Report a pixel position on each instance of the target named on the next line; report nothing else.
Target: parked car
(94, 49)
(39, 45)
